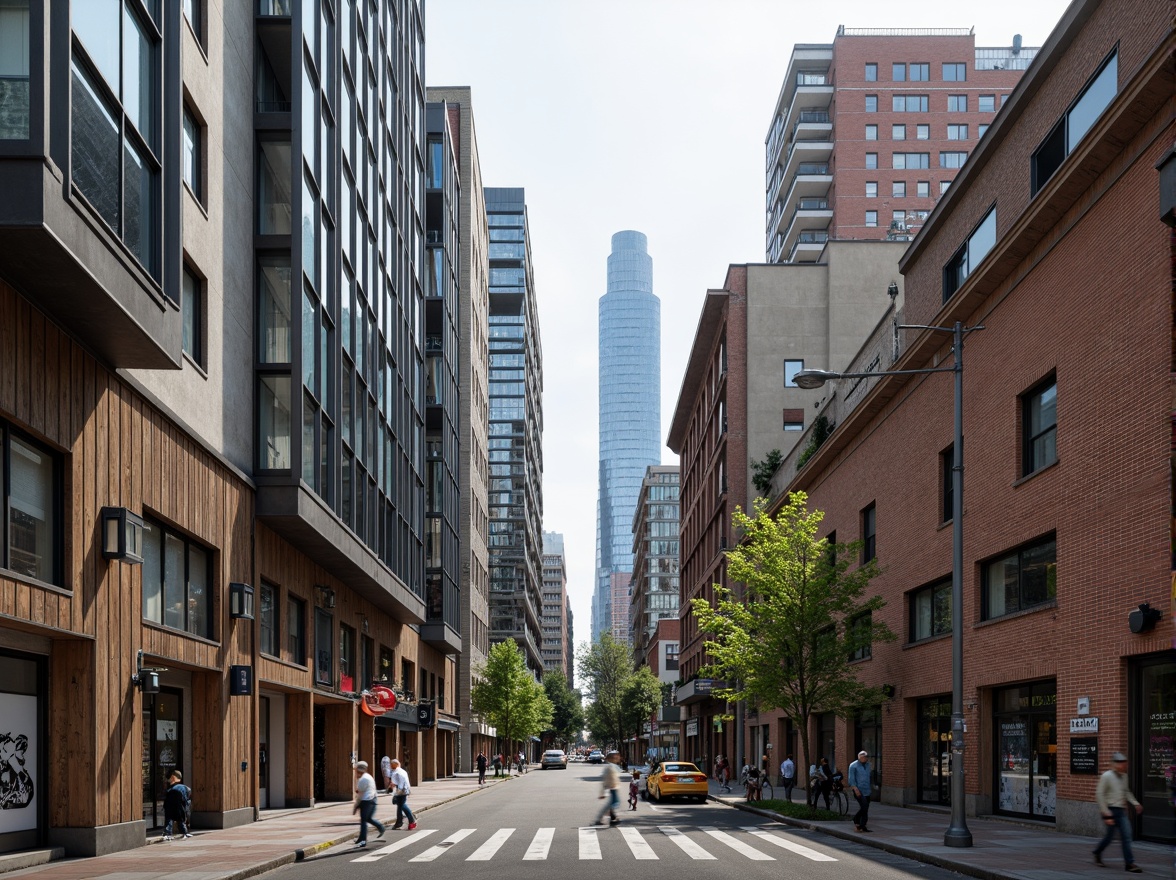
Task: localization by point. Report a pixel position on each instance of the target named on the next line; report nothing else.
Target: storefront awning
(697, 690)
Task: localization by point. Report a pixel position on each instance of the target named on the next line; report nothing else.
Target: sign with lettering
(692, 727)
(1084, 756)
(1084, 724)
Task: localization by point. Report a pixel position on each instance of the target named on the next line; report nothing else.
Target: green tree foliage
(508, 697)
(567, 714)
(787, 643)
(641, 698)
(763, 471)
(822, 428)
(614, 695)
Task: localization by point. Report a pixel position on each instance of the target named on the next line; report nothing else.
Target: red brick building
(1052, 238)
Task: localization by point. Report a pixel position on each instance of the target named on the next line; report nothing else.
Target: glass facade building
(654, 589)
(630, 421)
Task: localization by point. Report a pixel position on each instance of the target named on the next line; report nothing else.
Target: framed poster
(18, 763)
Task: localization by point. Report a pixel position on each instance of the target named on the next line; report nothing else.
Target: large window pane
(274, 422)
(173, 582)
(198, 591)
(1094, 100)
(1039, 574)
(275, 311)
(138, 87)
(190, 153)
(269, 620)
(32, 517)
(191, 312)
(310, 225)
(94, 147)
(96, 22)
(296, 629)
(139, 206)
(14, 69)
(152, 573)
(274, 211)
(1002, 587)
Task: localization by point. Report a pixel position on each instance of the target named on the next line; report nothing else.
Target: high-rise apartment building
(870, 129)
(654, 587)
(557, 642)
(516, 429)
(473, 296)
(212, 407)
(630, 421)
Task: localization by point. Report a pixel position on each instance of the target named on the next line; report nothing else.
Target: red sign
(377, 701)
(385, 697)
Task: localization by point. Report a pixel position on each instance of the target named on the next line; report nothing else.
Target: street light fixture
(957, 834)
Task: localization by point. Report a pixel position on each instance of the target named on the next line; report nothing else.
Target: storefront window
(1026, 750)
(1155, 739)
(935, 750)
(868, 736)
(323, 643)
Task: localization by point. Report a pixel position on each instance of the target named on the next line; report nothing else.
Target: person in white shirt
(400, 792)
(788, 774)
(386, 772)
(610, 780)
(365, 802)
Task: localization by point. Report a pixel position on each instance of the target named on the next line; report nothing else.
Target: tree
(641, 698)
(787, 642)
(763, 471)
(567, 714)
(606, 667)
(508, 696)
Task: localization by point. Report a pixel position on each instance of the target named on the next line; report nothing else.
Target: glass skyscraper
(630, 421)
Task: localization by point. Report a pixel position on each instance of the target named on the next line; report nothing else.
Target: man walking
(610, 780)
(1114, 800)
(400, 792)
(177, 807)
(365, 802)
(788, 776)
(859, 784)
(480, 761)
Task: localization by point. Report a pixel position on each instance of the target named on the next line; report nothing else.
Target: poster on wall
(18, 763)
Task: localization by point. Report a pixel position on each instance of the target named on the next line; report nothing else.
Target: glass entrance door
(1154, 724)
(1026, 750)
(868, 733)
(935, 750)
(162, 749)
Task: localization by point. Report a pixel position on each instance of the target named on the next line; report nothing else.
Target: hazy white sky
(647, 115)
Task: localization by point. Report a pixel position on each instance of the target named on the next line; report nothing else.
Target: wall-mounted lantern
(122, 535)
(1144, 618)
(240, 601)
(146, 678)
(326, 596)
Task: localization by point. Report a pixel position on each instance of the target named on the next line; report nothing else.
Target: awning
(446, 724)
(698, 689)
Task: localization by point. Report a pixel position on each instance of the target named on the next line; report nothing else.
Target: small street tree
(641, 698)
(606, 667)
(508, 696)
(567, 718)
(787, 642)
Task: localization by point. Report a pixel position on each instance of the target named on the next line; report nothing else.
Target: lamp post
(957, 834)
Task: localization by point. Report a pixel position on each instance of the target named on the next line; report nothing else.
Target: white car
(554, 758)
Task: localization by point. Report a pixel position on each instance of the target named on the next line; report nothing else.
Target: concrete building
(869, 130)
(654, 588)
(557, 642)
(630, 421)
(516, 430)
(473, 295)
(210, 343)
(1067, 624)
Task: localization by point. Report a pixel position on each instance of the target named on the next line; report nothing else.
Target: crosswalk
(641, 845)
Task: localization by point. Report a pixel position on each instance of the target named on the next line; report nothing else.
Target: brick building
(1067, 418)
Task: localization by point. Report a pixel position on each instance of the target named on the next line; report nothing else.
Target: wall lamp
(146, 678)
(326, 596)
(240, 601)
(1144, 618)
(122, 535)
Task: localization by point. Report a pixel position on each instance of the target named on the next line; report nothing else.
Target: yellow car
(676, 779)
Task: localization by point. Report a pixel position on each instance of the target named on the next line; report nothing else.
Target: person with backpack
(177, 807)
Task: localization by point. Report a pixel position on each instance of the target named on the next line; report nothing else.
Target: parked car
(553, 758)
(677, 779)
(596, 756)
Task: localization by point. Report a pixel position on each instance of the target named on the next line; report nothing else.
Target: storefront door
(1153, 720)
(162, 749)
(22, 765)
(867, 731)
(1026, 750)
(935, 750)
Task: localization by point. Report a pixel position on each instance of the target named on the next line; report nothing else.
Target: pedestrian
(386, 772)
(788, 776)
(751, 779)
(821, 780)
(522, 763)
(862, 788)
(401, 789)
(365, 802)
(497, 764)
(724, 773)
(1114, 800)
(610, 781)
(633, 790)
(177, 807)
(481, 763)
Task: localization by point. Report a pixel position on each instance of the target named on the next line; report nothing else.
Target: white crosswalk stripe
(487, 850)
(738, 845)
(393, 847)
(444, 846)
(790, 845)
(540, 845)
(637, 844)
(685, 844)
(589, 844)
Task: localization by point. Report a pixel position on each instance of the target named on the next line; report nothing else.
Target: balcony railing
(811, 204)
(812, 168)
(812, 79)
(810, 236)
(275, 7)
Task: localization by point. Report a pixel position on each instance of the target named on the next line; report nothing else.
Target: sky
(647, 115)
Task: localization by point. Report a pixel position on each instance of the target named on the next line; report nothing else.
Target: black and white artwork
(18, 762)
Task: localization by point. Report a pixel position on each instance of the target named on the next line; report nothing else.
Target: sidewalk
(1001, 849)
(280, 838)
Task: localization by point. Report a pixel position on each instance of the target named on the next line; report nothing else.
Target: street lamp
(957, 833)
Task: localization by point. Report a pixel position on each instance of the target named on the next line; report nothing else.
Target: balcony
(809, 247)
(811, 214)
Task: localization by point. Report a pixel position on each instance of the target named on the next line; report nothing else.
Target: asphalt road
(542, 823)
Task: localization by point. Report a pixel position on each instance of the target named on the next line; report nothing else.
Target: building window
(274, 182)
(957, 103)
(930, 611)
(871, 161)
(31, 497)
(192, 12)
(923, 189)
(923, 132)
(943, 186)
(910, 160)
(1039, 427)
(296, 630)
(898, 72)
(791, 368)
(947, 485)
(858, 635)
(871, 132)
(871, 103)
(898, 189)
(957, 132)
(955, 71)
(871, 72)
(794, 420)
(953, 158)
(1021, 579)
(920, 72)
(177, 580)
(981, 129)
(1075, 122)
(14, 70)
(986, 103)
(909, 103)
(324, 648)
(898, 132)
(971, 252)
(192, 154)
(871, 189)
(347, 667)
(268, 619)
(672, 649)
(273, 421)
(192, 309)
(869, 532)
(871, 218)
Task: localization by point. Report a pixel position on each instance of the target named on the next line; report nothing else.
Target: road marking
(589, 844)
(640, 849)
(444, 846)
(540, 845)
(486, 851)
(737, 845)
(787, 844)
(392, 847)
(685, 844)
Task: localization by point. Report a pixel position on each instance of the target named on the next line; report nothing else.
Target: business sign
(1084, 724)
(703, 686)
(692, 727)
(1084, 756)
